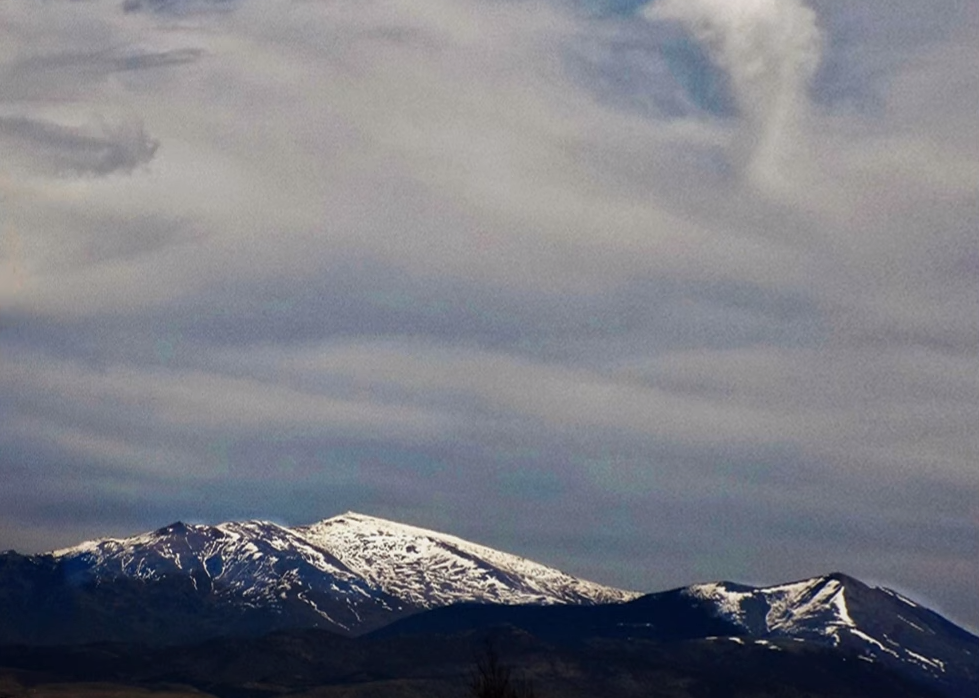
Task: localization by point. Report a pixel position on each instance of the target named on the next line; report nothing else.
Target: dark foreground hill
(308, 664)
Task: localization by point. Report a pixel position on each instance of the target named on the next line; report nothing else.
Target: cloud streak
(97, 149)
(697, 277)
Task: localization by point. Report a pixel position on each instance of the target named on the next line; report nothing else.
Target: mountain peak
(350, 513)
(843, 578)
(177, 527)
(353, 518)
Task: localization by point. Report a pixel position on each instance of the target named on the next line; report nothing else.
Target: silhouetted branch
(494, 679)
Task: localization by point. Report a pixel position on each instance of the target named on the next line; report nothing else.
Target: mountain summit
(427, 569)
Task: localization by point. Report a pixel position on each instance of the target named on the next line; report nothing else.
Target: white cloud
(771, 50)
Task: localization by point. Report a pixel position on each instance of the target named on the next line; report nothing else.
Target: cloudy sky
(656, 293)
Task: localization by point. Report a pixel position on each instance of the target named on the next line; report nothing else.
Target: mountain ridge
(349, 573)
(355, 574)
(383, 552)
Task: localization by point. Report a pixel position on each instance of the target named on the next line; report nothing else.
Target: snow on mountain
(877, 624)
(351, 571)
(242, 555)
(251, 563)
(429, 569)
(799, 608)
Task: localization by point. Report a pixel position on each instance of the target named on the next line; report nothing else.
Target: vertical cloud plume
(770, 50)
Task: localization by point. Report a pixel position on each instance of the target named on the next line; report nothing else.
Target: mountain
(406, 604)
(835, 613)
(350, 574)
(876, 623)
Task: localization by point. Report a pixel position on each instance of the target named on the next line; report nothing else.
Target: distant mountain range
(355, 574)
(348, 574)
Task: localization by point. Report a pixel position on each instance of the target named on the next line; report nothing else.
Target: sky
(656, 293)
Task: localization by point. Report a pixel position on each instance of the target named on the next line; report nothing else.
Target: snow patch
(915, 626)
(899, 597)
(729, 603)
(937, 663)
(864, 636)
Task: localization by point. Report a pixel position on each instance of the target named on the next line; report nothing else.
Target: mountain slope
(429, 569)
(876, 624)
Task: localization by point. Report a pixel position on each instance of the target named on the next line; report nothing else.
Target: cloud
(681, 277)
(176, 6)
(98, 148)
(770, 50)
(160, 59)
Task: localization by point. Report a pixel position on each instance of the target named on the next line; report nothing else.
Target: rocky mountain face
(349, 574)
(876, 624)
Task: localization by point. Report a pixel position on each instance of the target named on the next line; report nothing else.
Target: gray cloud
(161, 59)
(97, 149)
(574, 284)
(103, 61)
(176, 6)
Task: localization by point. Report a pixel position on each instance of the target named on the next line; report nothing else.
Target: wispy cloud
(96, 149)
(700, 272)
(770, 49)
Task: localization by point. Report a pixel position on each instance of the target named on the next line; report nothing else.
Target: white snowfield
(352, 558)
(808, 609)
(429, 569)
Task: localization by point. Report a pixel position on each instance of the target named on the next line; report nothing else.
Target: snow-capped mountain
(874, 623)
(251, 564)
(350, 573)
